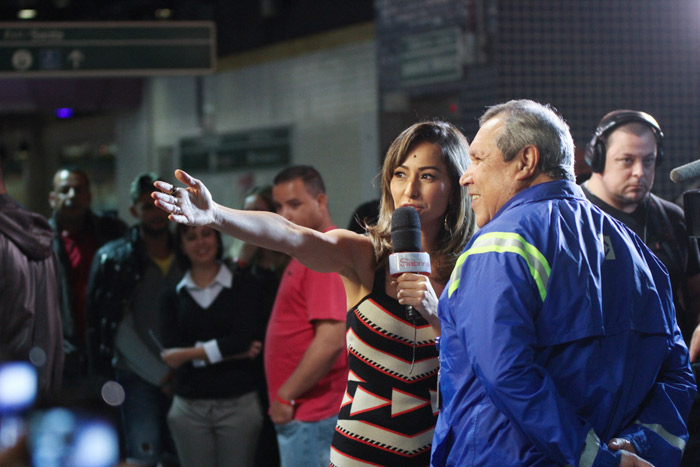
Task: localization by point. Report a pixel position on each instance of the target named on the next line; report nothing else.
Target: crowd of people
(553, 329)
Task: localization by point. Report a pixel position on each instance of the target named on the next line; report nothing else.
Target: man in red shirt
(78, 233)
(305, 358)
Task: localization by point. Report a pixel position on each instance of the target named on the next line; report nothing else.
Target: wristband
(290, 403)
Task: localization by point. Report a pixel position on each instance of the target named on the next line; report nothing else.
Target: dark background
(583, 57)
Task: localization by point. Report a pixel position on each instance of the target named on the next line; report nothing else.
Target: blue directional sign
(107, 49)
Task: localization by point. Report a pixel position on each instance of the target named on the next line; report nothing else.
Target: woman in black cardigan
(212, 327)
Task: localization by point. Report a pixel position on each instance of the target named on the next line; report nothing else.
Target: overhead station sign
(107, 49)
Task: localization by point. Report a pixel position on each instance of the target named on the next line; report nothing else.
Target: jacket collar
(557, 189)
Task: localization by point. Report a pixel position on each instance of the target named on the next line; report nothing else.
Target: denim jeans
(306, 444)
(144, 426)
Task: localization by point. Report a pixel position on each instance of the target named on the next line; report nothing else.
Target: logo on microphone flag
(414, 262)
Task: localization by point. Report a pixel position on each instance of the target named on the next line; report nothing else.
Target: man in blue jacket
(559, 343)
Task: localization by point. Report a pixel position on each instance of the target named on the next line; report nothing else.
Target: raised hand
(192, 205)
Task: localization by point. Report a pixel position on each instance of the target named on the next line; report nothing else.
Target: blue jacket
(558, 334)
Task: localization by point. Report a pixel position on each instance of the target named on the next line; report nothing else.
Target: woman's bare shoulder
(360, 254)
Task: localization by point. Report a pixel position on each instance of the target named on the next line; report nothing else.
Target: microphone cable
(415, 338)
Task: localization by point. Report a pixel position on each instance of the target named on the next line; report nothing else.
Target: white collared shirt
(204, 298)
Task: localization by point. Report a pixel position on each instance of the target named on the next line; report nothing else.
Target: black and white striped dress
(389, 409)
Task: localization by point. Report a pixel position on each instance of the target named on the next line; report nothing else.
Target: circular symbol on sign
(22, 59)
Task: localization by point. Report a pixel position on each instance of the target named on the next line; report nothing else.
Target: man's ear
(322, 199)
(133, 211)
(52, 199)
(528, 160)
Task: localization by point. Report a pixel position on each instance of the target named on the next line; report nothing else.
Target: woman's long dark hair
(459, 219)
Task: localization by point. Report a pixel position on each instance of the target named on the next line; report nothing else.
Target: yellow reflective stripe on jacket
(506, 242)
(456, 273)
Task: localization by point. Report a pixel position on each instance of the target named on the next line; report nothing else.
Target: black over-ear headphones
(595, 151)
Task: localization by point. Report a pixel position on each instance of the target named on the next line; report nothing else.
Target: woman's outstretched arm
(334, 251)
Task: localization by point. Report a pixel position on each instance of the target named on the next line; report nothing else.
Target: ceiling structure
(242, 25)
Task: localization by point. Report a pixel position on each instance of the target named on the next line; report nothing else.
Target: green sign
(431, 57)
(107, 49)
(236, 151)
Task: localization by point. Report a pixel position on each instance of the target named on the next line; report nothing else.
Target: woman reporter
(389, 411)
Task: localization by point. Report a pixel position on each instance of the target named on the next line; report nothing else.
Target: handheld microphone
(686, 172)
(405, 240)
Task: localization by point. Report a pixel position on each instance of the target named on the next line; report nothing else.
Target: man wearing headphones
(623, 155)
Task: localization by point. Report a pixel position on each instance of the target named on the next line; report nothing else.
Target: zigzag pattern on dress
(403, 402)
(385, 366)
(340, 459)
(389, 364)
(375, 317)
(407, 446)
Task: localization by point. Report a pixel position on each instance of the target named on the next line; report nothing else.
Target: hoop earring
(446, 225)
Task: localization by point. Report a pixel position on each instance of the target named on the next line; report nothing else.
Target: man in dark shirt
(623, 154)
(126, 280)
(78, 233)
